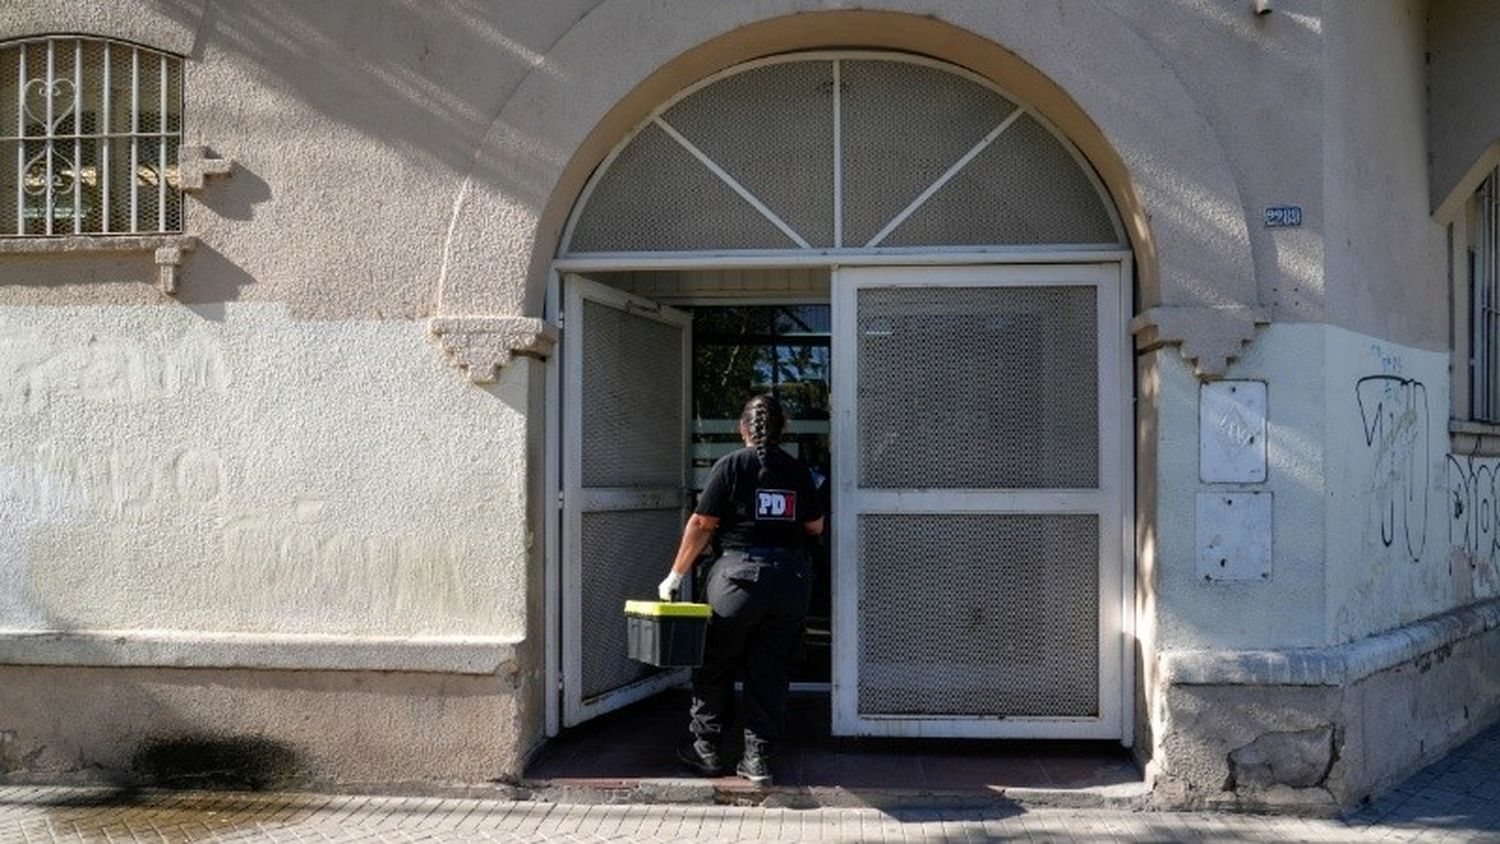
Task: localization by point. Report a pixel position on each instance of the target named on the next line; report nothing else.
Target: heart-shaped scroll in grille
(89, 136)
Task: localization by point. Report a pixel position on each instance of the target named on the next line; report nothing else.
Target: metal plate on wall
(1234, 535)
(1232, 432)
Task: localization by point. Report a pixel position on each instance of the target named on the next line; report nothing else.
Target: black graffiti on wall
(1394, 413)
(1472, 502)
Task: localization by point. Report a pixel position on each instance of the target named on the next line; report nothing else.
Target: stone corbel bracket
(1208, 336)
(482, 345)
(168, 262)
(194, 166)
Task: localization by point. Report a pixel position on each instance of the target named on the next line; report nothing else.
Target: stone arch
(1086, 74)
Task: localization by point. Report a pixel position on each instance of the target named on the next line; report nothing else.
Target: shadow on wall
(425, 78)
(428, 80)
(1257, 126)
(214, 280)
(235, 198)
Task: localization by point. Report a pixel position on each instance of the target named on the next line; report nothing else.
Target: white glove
(667, 589)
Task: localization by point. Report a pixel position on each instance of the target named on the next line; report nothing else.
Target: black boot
(701, 757)
(755, 766)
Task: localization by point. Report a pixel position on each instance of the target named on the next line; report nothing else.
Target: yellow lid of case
(678, 609)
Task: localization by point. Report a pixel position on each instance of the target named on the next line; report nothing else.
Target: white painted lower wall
(231, 469)
(1369, 650)
(1285, 609)
(1406, 515)
(1374, 522)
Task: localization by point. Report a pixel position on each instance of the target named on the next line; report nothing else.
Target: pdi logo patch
(777, 505)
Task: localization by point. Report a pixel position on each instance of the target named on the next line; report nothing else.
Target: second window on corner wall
(89, 131)
(1484, 303)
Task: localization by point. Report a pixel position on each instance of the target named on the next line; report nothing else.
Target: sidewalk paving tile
(1454, 801)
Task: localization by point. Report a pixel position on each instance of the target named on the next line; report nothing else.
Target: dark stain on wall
(239, 763)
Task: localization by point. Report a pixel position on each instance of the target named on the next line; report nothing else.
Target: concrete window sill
(1479, 439)
(166, 249)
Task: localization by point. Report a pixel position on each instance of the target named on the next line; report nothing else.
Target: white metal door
(979, 501)
(625, 474)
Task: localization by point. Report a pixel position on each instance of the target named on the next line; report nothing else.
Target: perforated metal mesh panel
(978, 615)
(772, 130)
(977, 387)
(904, 125)
(623, 556)
(1025, 187)
(631, 372)
(657, 197)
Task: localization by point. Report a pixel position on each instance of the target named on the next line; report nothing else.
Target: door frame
(1122, 259)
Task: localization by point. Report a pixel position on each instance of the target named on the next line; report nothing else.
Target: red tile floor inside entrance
(639, 742)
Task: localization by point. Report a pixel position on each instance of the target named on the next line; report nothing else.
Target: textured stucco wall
(1399, 720)
(1375, 523)
(1463, 118)
(422, 151)
(559, 124)
(1285, 610)
(1385, 272)
(1148, 464)
(229, 468)
(352, 127)
(1393, 527)
(1258, 82)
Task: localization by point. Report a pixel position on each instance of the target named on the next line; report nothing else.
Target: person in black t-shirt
(764, 506)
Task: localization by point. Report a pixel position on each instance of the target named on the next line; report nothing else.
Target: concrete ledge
(1473, 439)
(272, 651)
(72, 244)
(167, 249)
(731, 792)
(1332, 666)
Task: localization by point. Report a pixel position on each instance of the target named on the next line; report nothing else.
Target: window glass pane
(63, 92)
(10, 220)
(34, 57)
(741, 351)
(34, 186)
(174, 96)
(803, 319)
(10, 69)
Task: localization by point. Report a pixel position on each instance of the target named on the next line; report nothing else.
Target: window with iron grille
(1484, 303)
(89, 136)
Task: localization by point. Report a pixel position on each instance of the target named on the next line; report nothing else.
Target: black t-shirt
(752, 513)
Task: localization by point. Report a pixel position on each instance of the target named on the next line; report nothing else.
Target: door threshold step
(731, 791)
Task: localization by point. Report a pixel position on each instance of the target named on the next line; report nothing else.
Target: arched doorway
(974, 280)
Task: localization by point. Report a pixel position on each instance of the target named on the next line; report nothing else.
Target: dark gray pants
(759, 598)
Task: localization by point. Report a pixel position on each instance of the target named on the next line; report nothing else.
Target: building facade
(355, 362)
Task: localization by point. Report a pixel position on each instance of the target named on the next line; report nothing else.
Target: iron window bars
(89, 137)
